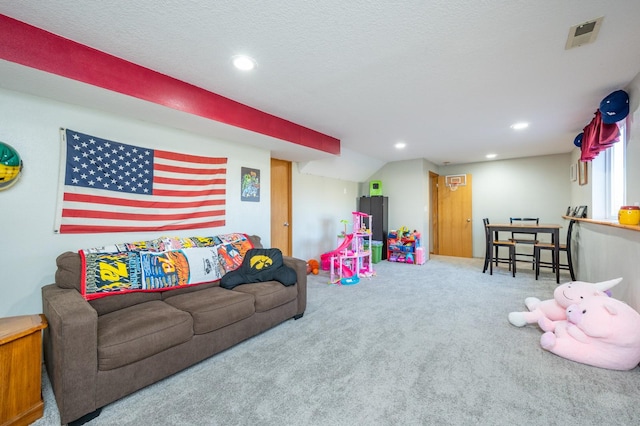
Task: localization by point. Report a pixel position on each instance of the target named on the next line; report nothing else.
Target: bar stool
(538, 247)
(511, 260)
(525, 237)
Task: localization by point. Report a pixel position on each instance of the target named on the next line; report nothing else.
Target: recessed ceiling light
(400, 145)
(519, 126)
(490, 156)
(243, 62)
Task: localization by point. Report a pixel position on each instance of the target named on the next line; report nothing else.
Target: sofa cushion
(213, 308)
(188, 289)
(268, 294)
(137, 332)
(105, 305)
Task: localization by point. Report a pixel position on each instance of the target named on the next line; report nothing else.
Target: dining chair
(524, 237)
(497, 244)
(538, 247)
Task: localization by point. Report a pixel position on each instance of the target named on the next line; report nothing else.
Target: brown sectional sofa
(101, 350)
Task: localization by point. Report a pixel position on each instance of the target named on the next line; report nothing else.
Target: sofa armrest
(300, 266)
(70, 350)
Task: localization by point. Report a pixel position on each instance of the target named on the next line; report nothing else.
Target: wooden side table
(21, 369)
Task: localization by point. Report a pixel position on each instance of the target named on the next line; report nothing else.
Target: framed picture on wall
(250, 184)
(584, 211)
(582, 172)
(573, 172)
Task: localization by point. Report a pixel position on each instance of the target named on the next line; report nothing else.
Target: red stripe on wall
(141, 204)
(177, 156)
(182, 193)
(177, 181)
(33, 47)
(137, 216)
(187, 170)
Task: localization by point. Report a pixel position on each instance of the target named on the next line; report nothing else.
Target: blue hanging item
(578, 140)
(614, 107)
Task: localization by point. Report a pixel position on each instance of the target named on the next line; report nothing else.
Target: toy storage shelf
(378, 208)
(405, 249)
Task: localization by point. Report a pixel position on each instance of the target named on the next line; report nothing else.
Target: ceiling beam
(36, 48)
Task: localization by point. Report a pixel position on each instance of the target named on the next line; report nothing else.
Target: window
(614, 174)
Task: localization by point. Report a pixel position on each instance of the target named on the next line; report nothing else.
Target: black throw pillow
(260, 265)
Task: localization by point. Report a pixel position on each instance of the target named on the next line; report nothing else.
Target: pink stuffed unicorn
(563, 296)
(599, 331)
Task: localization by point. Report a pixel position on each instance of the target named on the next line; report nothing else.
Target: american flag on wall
(108, 186)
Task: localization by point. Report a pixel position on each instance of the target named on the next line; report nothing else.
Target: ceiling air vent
(583, 33)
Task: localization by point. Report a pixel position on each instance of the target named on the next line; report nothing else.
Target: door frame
(278, 199)
(433, 213)
(455, 221)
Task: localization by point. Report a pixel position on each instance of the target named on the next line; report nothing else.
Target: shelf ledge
(611, 223)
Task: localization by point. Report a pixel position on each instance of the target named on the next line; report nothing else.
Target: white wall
(633, 147)
(604, 252)
(29, 248)
(406, 183)
(319, 204)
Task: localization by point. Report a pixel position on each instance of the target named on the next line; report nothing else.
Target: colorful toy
(555, 309)
(325, 258)
(343, 234)
(313, 267)
(352, 259)
(350, 281)
(599, 331)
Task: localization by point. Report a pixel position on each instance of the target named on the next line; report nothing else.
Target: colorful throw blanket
(162, 264)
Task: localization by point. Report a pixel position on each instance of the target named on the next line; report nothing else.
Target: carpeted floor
(414, 345)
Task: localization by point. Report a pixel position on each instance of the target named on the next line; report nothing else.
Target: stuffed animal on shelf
(563, 296)
(313, 267)
(599, 331)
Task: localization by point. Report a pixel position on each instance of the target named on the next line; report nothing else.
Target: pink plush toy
(563, 296)
(600, 331)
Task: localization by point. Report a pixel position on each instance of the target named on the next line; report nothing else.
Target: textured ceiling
(447, 77)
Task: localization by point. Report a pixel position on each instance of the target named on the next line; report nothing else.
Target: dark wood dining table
(549, 228)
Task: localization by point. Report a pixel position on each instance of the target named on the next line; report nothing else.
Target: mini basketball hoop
(455, 181)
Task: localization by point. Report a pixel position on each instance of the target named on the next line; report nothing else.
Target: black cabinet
(378, 208)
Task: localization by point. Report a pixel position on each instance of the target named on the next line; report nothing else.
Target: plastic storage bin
(376, 251)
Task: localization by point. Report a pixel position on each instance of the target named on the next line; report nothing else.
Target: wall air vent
(583, 33)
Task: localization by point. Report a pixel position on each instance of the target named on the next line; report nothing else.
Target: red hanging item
(597, 136)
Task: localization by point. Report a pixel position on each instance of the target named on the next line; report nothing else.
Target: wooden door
(454, 219)
(281, 205)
